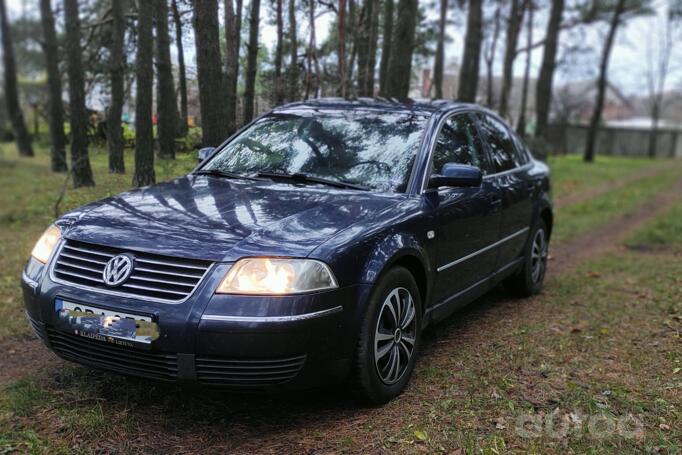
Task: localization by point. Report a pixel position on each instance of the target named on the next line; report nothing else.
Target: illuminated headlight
(274, 276)
(46, 243)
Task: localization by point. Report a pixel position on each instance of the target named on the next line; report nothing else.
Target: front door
(468, 218)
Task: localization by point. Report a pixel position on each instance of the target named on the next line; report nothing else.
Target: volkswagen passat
(315, 245)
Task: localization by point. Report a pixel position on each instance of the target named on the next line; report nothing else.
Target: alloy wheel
(395, 335)
(538, 257)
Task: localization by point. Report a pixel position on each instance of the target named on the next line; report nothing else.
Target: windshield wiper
(304, 178)
(224, 174)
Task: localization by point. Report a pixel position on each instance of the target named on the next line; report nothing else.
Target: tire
(529, 279)
(377, 376)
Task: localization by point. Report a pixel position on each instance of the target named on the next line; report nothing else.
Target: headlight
(46, 244)
(268, 276)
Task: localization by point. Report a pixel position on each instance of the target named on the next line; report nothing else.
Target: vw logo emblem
(117, 270)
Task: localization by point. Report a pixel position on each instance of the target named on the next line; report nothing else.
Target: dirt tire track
(582, 196)
(607, 237)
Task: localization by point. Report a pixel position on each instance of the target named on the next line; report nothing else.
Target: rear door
(511, 179)
(468, 218)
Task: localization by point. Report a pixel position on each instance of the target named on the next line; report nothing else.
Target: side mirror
(204, 153)
(457, 175)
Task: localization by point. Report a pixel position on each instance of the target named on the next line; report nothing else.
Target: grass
(601, 345)
(571, 175)
(591, 366)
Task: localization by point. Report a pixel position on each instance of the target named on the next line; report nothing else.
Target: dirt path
(582, 196)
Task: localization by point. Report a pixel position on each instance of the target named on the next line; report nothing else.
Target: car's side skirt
(445, 308)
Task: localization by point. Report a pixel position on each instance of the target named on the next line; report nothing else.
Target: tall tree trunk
(353, 26)
(601, 83)
(402, 47)
(543, 93)
(513, 29)
(366, 48)
(312, 56)
(144, 135)
(490, 56)
(387, 36)
(440, 51)
(182, 71)
(251, 61)
(11, 92)
(116, 70)
(373, 45)
(209, 73)
(166, 108)
(55, 111)
(293, 54)
(655, 117)
(80, 161)
(521, 126)
(468, 76)
(279, 50)
(341, 51)
(233, 25)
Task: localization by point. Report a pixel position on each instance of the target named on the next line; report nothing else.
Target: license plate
(109, 326)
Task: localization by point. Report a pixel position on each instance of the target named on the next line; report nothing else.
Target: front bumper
(214, 340)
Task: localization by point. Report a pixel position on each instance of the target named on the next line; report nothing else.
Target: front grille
(247, 373)
(112, 357)
(153, 276)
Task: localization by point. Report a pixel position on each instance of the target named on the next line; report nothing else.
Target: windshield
(365, 148)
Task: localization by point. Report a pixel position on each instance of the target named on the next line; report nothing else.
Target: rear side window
(503, 152)
(458, 142)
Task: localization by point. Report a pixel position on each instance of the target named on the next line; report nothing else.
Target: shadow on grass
(186, 413)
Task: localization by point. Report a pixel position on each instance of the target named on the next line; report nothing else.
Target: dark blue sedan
(315, 245)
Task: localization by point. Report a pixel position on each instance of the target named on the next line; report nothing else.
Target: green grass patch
(581, 217)
(570, 174)
(664, 231)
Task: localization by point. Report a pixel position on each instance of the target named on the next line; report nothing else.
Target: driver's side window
(458, 142)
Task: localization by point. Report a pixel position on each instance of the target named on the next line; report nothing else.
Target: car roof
(423, 106)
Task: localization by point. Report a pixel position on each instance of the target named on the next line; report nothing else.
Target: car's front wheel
(389, 337)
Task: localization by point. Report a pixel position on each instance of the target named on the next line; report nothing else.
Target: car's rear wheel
(389, 337)
(530, 278)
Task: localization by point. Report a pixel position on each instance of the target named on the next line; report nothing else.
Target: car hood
(205, 217)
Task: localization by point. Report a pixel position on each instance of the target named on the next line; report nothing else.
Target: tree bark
(293, 53)
(387, 36)
(366, 48)
(233, 24)
(440, 51)
(373, 45)
(182, 71)
(279, 51)
(312, 56)
(514, 23)
(468, 77)
(341, 52)
(489, 56)
(543, 94)
(55, 110)
(80, 161)
(166, 108)
(601, 83)
(116, 71)
(23, 139)
(402, 47)
(521, 126)
(214, 116)
(144, 135)
(251, 61)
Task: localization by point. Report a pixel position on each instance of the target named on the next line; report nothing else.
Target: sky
(628, 62)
